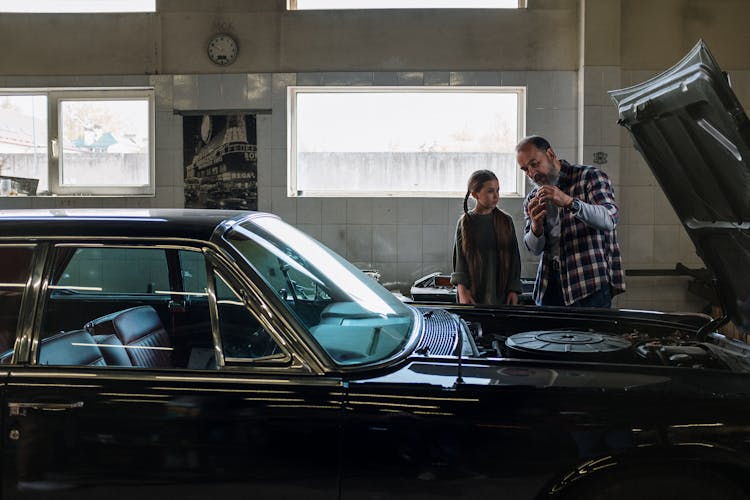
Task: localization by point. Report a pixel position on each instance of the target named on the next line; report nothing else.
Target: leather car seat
(146, 340)
(75, 348)
(141, 332)
(113, 350)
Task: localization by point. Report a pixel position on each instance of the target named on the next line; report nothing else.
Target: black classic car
(216, 354)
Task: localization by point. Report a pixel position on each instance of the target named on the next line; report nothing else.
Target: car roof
(168, 223)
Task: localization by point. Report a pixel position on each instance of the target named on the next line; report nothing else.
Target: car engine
(676, 349)
(446, 334)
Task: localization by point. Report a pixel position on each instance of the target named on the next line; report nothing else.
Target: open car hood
(692, 131)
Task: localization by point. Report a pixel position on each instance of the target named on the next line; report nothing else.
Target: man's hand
(552, 194)
(537, 213)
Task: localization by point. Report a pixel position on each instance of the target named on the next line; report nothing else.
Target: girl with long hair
(486, 261)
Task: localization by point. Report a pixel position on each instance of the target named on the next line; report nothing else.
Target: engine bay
(675, 349)
(632, 338)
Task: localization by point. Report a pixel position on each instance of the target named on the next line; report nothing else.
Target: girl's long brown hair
(503, 228)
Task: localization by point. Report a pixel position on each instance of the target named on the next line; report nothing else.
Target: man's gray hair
(537, 141)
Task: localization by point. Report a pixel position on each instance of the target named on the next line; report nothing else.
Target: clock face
(222, 49)
(206, 129)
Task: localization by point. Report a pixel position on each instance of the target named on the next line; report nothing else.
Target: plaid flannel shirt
(589, 258)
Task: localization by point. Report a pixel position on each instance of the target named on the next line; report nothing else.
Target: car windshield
(353, 318)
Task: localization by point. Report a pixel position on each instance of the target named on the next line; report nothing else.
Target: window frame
(55, 97)
(292, 169)
(238, 281)
(25, 293)
(292, 5)
(92, 8)
(213, 265)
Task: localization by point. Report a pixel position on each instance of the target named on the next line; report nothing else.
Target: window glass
(115, 270)
(23, 144)
(14, 273)
(55, 6)
(396, 141)
(404, 4)
(115, 306)
(76, 142)
(242, 335)
(193, 265)
(350, 315)
(106, 143)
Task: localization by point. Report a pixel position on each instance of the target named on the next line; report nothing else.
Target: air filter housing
(568, 345)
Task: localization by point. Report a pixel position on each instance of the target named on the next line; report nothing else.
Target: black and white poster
(221, 161)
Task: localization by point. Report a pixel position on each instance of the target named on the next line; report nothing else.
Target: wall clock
(206, 129)
(222, 49)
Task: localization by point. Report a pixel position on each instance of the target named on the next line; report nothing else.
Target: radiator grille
(440, 332)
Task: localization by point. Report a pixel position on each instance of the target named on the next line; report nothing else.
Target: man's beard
(550, 179)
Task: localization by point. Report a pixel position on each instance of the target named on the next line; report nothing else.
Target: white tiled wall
(406, 238)
(650, 234)
(402, 238)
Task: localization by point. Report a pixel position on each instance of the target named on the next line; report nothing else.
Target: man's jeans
(553, 295)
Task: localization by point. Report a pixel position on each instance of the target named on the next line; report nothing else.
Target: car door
(101, 411)
(419, 431)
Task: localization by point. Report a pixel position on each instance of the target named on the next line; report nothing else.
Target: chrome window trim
(301, 331)
(278, 314)
(213, 310)
(25, 338)
(259, 307)
(20, 343)
(125, 373)
(285, 359)
(132, 245)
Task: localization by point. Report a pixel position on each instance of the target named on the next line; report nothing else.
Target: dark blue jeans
(553, 295)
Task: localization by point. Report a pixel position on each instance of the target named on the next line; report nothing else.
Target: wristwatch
(575, 207)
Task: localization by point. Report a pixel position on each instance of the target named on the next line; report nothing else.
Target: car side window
(193, 266)
(242, 335)
(115, 270)
(126, 307)
(14, 273)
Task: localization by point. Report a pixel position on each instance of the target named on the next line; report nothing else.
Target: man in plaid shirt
(570, 217)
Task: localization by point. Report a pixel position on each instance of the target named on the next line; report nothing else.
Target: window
(127, 307)
(403, 4)
(402, 141)
(114, 271)
(143, 307)
(14, 273)
(354, 319)
(76, 142)
(78, 6)
(242, 336)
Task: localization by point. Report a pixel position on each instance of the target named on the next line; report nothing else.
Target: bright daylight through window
(402, 141)
(55, 6)
(76, 142)
(403, 4)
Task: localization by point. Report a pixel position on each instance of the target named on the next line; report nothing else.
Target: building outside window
(402, 141)
(76, 142)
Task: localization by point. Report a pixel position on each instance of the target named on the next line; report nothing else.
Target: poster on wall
(221, 161)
